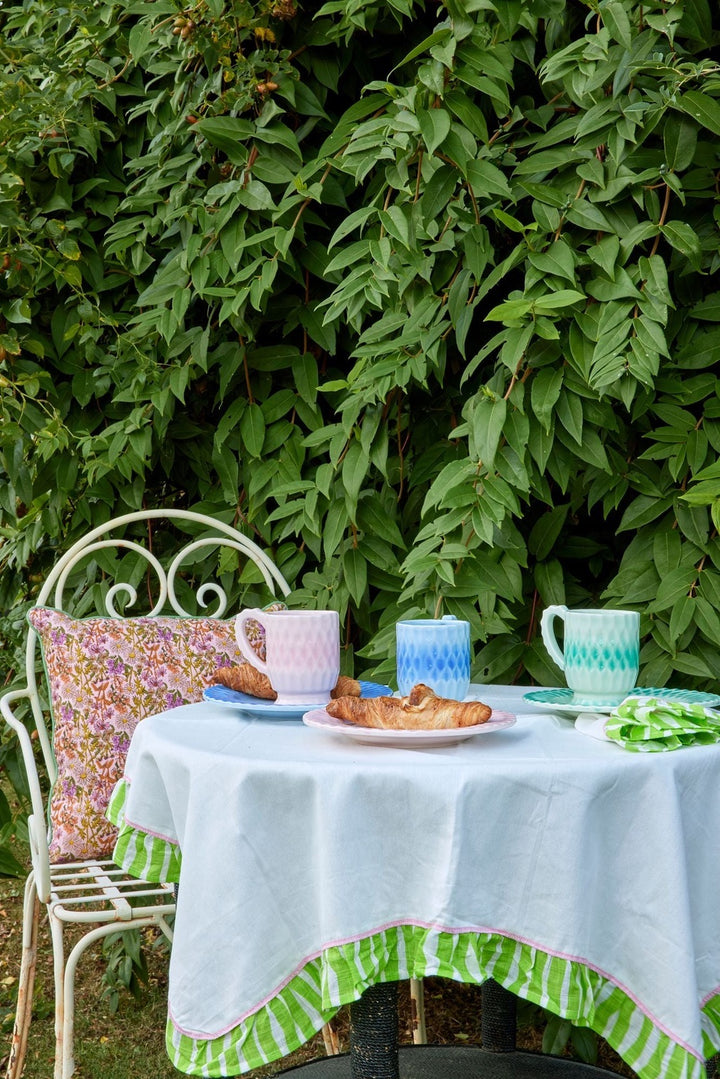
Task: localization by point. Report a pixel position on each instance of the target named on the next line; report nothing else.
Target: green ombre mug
(600, 654)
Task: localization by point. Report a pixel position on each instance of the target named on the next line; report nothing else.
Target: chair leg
(56, 932)
(26, 980)
(417, 1005)
(65, 990)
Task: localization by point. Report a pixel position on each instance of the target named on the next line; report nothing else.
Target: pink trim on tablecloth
(150, 832)
(142, 828)
(708, 996)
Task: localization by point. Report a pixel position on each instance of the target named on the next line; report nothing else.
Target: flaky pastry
(346, 687)
(245, 678)
(420, 710)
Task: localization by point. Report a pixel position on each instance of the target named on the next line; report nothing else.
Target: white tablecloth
(596, 867)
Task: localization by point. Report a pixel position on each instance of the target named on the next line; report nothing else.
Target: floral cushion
(104, 675)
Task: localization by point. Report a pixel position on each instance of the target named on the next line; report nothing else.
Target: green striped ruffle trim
(139, 854)
(341, 973)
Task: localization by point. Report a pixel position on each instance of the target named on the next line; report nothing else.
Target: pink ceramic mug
(302, 652)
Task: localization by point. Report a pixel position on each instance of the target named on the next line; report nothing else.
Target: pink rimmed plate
(371, 736)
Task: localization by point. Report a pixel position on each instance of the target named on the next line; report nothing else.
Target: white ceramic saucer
(372, 736)
(560, 700)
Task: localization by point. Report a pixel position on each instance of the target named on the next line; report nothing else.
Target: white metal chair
(95, 893)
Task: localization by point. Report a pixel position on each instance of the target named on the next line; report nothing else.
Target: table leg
(375, 1054)
(498, 1018)
(374, 1033)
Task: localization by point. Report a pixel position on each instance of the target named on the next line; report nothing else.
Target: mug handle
(558, 610)
(243, 642)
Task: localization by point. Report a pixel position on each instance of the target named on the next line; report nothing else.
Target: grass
(131, 1042)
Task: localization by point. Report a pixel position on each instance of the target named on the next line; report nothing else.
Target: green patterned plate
(560, 700)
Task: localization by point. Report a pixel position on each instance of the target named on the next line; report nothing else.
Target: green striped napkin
(649, 724)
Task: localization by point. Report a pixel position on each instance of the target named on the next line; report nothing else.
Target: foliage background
(421, 294)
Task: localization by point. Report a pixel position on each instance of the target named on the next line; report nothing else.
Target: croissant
(245, 678)
(346, 687)
(420, 710)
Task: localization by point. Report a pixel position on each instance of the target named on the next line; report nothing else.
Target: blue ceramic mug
(436, 652)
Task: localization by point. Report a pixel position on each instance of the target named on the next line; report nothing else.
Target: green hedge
(422, 294)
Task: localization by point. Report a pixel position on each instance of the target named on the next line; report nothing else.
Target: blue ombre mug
(600, 654)
(436, 652)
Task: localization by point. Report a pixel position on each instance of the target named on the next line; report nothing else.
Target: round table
(564, 869)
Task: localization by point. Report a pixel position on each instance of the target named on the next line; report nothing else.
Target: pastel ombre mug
(600, 654)
(436, 652)
(302, 652)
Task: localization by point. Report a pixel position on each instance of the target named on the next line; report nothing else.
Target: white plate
(269, 709)
(372, 736)
(560, 700)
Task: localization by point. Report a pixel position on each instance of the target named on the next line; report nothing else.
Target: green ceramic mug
(600, 654)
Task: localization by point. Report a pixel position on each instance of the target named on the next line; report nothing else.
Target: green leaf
(305, 374)
(353, 221)
(252, 429)
(510, 222)
(710, 587)
(468, 113)
(544, 393)
(701, 107)
(69, 249)
(683, 238)
(585, 1044)
(707, 619)
(18, 311)
(546, 531)
(9, 865)
(693, 665)
(667, 550)
(642, 510)
(434, 127)
(696, 20)
(681, 616)
(397, 224)
(336, 522)
(680, 141)
(616, 19)
(354, 470)
(672, 587)
(226, 466)
(438, 37)
(556, 1035)
(558, 260)
(229, 134)
(550, 581)
(488, 420)
(487, 179)
(708, 308)
(509, 311)
(373, 518)
(693, 522)
(555, 301)
(355, 573)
